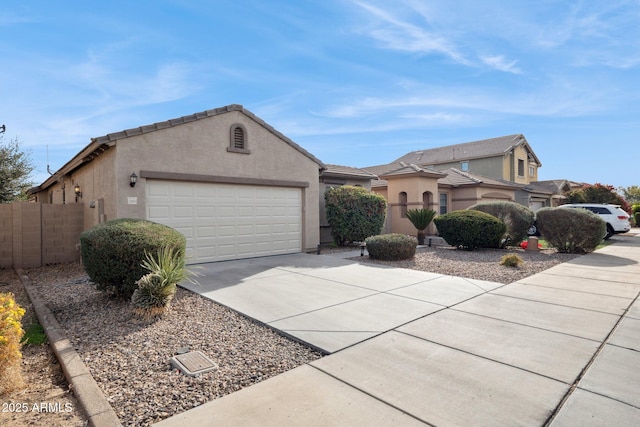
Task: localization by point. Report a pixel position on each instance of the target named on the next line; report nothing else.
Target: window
(426, 200)
(464, 166)
(238, 140)
(520, 167)
(532, 171)
(402, 201)
(443, 203)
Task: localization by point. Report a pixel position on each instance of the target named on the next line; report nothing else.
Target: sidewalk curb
(92, 401)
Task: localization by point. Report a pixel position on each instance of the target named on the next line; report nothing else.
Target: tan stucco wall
(492, 167)
(520, 153)
(414, 186)
(96, 185)
(200, 147)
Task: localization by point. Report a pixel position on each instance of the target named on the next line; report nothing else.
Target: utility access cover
(193, 363)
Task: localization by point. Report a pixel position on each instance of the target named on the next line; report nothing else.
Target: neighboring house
(559, 189)
(507, 157)
(413, 187)
(232, 184)
(337, 176)
(457, 176)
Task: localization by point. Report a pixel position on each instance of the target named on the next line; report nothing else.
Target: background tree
(598, 193)
(15, 171)
(631, 194)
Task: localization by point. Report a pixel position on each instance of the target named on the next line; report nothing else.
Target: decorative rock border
(93, 402)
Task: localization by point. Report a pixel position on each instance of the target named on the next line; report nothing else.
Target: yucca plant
(421, 218)
(157, 288)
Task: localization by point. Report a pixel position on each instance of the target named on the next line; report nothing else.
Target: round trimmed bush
(517, 218)
(391, 247)
(470, 229)
(113, 252)
(571, 230)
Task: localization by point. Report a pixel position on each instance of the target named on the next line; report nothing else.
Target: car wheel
(610, 232)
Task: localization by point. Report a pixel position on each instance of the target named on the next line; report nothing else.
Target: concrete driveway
(328, 302)
(410, 348)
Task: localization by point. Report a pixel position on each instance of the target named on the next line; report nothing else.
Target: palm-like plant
(157, 288)
(421, 218)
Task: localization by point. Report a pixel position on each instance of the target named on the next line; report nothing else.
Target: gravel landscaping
(481, 264)
(129, 358)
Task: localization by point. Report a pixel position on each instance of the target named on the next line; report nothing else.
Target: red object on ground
(524, 245)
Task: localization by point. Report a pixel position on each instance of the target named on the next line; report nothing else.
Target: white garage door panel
(224, 221)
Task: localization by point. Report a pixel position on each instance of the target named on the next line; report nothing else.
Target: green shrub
(113, 252)
(570, 230)
(157, 288)
(470, 229)
(354, 213)
(512, 260)
(421, 218)
(636, 218)
(391, 247)
(517, 218)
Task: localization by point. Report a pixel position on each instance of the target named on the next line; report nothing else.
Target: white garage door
(226, 221)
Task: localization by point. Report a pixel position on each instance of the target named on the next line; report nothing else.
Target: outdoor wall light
(133, 178)
(76, 189)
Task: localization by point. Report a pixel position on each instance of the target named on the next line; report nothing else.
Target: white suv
(617, 220)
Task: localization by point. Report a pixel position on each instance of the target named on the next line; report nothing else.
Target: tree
(15, 170)
(598, 193)
(421, 218)
(631, 194)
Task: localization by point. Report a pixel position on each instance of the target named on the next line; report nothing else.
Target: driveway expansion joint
(601, 347)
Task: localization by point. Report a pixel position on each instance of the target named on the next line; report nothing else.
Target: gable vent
(238, 138)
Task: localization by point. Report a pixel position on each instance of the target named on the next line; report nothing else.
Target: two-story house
(457, 176)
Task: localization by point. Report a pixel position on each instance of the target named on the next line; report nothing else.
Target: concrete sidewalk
(410, 348)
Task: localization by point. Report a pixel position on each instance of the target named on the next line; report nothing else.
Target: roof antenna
(48, 169)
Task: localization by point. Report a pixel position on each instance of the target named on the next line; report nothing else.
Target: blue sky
(356, 83)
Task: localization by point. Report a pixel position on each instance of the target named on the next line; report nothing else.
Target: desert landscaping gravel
(481, 264)
(129, 358)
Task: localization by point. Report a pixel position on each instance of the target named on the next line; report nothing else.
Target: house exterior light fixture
(76, 190)
(133, 178)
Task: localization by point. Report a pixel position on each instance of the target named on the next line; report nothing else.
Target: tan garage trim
(174, 176)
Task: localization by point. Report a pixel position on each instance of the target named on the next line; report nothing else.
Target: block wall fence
(38, 234)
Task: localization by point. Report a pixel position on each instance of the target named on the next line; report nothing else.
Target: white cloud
(500, 63)
(401, 35)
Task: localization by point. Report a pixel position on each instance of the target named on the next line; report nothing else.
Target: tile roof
(405, 169)
(468, 150)
(549, 187)
(382, 169)
(457, 178)
(348, 171)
